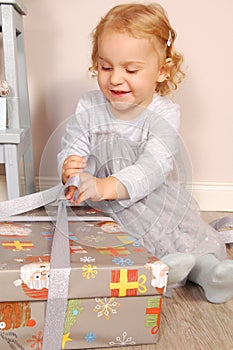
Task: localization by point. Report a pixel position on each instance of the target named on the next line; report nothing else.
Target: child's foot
(218, 286)
(216, 278)
(179, 264)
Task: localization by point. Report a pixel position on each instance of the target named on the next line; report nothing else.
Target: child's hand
(73, 166)
(90, 188)
(98, 189)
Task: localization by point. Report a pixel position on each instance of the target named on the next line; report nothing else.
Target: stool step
(13, 136)
(18, 5)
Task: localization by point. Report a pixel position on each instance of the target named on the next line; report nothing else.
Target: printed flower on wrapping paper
(124, 341)
(36, 341)
(106, 307)
(90, 337)
(122, 262)
(87, 259)
(89, 271)
(95, 239)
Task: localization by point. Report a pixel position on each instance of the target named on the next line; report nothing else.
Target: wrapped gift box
(115, 290)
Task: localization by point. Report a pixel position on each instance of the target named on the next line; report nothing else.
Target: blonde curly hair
(148, 21)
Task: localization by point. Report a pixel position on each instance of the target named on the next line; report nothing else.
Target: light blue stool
(16, 140)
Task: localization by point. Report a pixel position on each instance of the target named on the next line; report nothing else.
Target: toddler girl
(122, 143)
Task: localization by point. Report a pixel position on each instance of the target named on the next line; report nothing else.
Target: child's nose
(116, 77)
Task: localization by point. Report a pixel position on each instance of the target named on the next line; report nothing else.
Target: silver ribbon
(58, 283)
(59, 275)
(225, 221)
(26, 203)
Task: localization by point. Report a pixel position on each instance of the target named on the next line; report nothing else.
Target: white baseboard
(211, 196)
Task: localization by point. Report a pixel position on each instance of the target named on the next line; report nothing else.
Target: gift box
(115, 286)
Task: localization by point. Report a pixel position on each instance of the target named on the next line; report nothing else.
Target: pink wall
(57, 39)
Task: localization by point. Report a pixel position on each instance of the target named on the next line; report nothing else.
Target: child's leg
(214, 276)
(179, 264)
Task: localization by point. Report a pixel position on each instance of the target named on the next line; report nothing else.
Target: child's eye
(106, 68)
(131, 71)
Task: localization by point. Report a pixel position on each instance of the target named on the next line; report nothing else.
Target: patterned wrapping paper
(112, 278)
(90, 323)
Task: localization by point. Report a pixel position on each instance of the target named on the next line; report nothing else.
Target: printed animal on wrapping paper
(9, 229)
(34, 278)
(14, 315)
(159, 275)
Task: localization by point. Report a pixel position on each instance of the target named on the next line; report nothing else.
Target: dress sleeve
(76, 138)
(155, 161)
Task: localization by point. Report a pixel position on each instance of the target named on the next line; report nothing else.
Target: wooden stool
(16, 140)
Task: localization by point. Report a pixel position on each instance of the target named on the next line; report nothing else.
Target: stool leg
(12, 168)
(29, 171)
(9, 20)
(18, 102)
(25, 117)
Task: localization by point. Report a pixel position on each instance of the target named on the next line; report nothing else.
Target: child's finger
(70, 192)
(67, 173)
(75, 162)
(75, 165)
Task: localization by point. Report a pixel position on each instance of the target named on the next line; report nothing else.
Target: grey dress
(142, 154)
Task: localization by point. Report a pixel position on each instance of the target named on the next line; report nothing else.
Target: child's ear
(164, 70)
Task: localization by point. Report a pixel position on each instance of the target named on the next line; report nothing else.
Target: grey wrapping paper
(101, 256)
(90, 323)
(96, 248)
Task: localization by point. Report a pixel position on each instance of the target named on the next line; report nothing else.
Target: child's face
(128, 71)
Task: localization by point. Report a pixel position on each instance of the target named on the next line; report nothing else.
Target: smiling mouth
(119, 92)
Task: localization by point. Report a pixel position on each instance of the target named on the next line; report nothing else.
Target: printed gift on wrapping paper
(115, 290)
